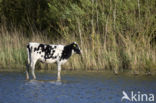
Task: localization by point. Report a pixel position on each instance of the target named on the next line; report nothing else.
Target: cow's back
(48, 53)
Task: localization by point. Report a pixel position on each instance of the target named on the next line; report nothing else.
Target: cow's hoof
(58, 80)
(26, 78)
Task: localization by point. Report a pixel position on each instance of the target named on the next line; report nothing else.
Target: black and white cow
(48, 53)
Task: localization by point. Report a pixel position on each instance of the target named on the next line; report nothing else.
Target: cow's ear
(74, 45)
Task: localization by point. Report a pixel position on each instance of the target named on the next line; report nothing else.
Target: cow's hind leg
(28, 64)
(33, 69)
(27, 71)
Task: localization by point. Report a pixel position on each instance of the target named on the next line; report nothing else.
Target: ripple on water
(72, 89)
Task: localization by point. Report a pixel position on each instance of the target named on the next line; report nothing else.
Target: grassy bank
(117, 35)
(99, 52)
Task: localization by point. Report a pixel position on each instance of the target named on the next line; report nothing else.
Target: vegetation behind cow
(116, 35)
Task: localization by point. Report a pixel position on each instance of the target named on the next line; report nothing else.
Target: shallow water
(75, 87)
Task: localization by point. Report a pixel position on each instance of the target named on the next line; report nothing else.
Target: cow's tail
(29, 60)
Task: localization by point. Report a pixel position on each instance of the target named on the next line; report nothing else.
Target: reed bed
(116, 52)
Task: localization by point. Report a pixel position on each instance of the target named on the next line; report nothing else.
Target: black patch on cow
(47, 50)
(35, 49)
(29, 48)
(53, 51)
(40, 47)
(67, 52)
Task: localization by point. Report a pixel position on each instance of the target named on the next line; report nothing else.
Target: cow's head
(76, 48)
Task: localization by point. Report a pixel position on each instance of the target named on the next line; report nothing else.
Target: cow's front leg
(59, 72)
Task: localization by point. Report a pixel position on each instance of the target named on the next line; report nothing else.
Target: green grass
(125, 53)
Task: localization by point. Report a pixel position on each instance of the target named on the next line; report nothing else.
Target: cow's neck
(67, 52)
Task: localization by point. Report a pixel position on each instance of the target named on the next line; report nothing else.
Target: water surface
(75, 87)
